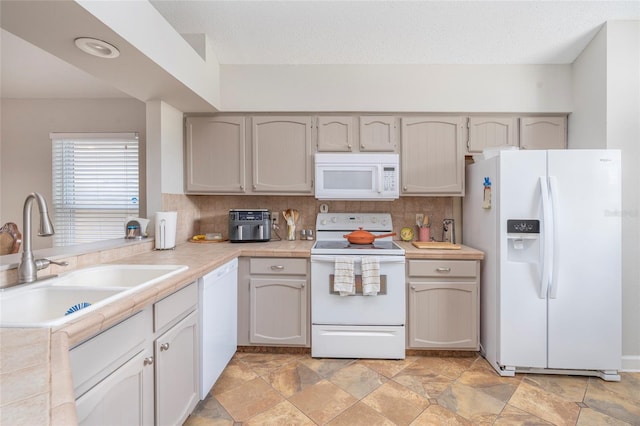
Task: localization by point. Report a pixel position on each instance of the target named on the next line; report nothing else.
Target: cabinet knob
(241, 187)
(404, 188)
(361, 146)
(277, 268)
(148, 360)
(164, 347)
(254, 187)
(443, 269)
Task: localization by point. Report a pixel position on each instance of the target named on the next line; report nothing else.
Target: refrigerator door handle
(553, 280)
(546, 237)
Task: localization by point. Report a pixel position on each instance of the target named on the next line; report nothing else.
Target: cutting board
(191, 240)
(436, 245)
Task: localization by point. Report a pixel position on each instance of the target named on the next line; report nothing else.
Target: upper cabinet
(378, 133)
(490, 131)
(335, 134)
(215, 154)
(282, 154)
(432, 155)
(548, 132)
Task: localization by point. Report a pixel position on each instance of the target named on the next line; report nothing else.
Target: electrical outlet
(419, 218)
(275, 220)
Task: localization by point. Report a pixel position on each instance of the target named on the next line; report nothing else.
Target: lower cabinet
(149, 359)
(113, 374)
(273, 302)
(177, 372)
(443, 306)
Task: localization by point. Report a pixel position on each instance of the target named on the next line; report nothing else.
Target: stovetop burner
(346, 245)
(331, 228)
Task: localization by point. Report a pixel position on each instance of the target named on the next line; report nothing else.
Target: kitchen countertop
(201, 258)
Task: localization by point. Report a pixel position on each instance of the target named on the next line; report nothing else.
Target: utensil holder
(291, 232)
(424, 233)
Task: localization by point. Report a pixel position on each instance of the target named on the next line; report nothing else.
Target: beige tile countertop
(42, 355)
(36, 385)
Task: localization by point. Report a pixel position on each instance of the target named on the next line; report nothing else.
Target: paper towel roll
(166, 226)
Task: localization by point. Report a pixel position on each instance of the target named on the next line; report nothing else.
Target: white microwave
(357, 176)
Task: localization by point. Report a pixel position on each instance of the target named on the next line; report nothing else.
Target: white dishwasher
(218, 311)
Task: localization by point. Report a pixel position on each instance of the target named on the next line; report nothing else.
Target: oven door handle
(357, 258)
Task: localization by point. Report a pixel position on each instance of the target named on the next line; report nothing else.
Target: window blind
(95, 185)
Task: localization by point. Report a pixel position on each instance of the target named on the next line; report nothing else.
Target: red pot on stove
(364, 237)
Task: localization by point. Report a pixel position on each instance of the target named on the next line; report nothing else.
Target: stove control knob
(374, 219)
(323, 222)
(334, 219)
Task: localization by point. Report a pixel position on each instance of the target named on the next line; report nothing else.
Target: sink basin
(40, 306)
(45, 303)
(123, 276)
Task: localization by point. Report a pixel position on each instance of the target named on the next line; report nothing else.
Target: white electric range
(357, 326)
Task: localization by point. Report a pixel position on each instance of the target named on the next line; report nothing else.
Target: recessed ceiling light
(96, 47)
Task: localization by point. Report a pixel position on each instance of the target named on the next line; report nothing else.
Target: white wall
(588, 120)
(164, 153)
(25, 160)
(425, 88)
(606, 87)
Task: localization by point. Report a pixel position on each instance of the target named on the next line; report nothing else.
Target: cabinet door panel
(282, 154)
(278, 311)
(443, 315)
(486, 132)
(378, 133)
(543, 132)
(177, 372)
(215, 151)
(335, 133)
(432, 155)
(123, 398)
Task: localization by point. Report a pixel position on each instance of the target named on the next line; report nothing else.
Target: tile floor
(286, 389)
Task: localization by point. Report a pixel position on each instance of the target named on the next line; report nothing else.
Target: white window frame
(95, 185)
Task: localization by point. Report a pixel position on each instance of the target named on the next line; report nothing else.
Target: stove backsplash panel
(201, 214)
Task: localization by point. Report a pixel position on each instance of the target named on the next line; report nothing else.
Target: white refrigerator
(549, 223)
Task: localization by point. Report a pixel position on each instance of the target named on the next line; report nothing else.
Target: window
(95, 185)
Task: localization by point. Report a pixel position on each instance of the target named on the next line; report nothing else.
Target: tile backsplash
(200, 214)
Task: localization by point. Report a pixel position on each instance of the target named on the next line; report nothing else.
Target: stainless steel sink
(46, 303)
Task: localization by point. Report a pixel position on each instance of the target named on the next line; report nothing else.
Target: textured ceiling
(395, 32)
(343, 32)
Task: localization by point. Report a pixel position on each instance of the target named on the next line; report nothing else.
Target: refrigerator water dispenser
(523, 237)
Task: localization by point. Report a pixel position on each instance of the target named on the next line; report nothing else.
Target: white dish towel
(344, 278)
(370, 276)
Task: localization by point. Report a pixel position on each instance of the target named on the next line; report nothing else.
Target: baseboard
(630, 363)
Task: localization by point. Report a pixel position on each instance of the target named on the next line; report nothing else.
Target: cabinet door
(278, 311)
(335, 133)
(543, 132)
(282, 154)
(215, 151)
(432, 155)
(177, 372)
(125, 397)
(378, 133)
(443, 315)
(486, 132)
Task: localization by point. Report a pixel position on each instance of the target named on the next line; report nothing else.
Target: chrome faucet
(29, 267)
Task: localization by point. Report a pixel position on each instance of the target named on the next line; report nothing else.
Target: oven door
(386, 308)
